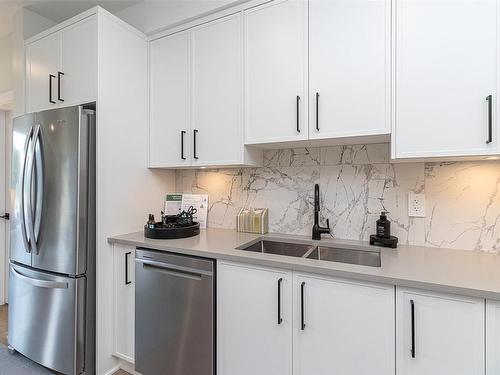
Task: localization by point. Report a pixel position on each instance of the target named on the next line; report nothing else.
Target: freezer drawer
(47, 318)
(174, 312)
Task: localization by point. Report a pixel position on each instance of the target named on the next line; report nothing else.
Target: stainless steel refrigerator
(52, 239)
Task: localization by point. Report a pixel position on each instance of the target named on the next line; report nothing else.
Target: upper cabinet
(61, 67)
(349, 68)
(196, 98)
(169, 101)
(445, 79)
(276, 72)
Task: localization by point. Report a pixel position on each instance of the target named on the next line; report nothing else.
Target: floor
(3, 325)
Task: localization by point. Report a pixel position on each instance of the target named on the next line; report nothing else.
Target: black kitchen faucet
(317, 229)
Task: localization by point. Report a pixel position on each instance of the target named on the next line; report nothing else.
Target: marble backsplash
(356, 183)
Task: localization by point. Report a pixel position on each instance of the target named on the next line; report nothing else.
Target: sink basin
(334, 254)
(279, 248)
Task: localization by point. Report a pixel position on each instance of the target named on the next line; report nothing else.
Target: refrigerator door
(22, 135)
(59, 191)
(48, 315)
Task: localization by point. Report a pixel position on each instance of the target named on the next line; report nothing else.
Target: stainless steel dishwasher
(174, 314)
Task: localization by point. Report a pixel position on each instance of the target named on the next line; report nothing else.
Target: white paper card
(200, 202)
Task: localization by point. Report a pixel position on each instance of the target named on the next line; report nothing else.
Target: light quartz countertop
(444, 270)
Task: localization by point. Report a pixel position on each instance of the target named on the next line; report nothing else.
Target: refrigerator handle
(23, 191)
(40, 187)
(31, 171)
(40, 283)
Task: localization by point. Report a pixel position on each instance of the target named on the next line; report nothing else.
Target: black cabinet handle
(489, 99)
(127, 281)
(302, 320)
(5, 216)
(182, 144)
(195, 151)
(59, 74)
(280, 280)
(50, 88)
(412, 305)
(317, 111)
(298, 114)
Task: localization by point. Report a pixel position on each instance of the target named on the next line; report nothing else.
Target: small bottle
(383, 226)
(151, 221)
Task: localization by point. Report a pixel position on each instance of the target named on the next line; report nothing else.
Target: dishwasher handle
(174, 269)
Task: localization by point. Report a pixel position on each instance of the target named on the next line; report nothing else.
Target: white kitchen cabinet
(196, 98)
(61, 67)
(42, 65)
(439, 333)
(342, 326)
(218, 92)
(79, 62)
(124, 301)
(492, 337)
(254, 320)
(276, 72)
(169, 125)
(349, 68)
(446, 63)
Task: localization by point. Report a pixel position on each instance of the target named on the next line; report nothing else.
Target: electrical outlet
(416, 205)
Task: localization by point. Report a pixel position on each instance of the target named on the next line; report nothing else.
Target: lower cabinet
(342, 327)
(124, 301)
(439, 333)
(492, 337)
(254, 320)
(271, 320)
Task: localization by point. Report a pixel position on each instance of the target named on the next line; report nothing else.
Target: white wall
(6, 75)
(151, 16)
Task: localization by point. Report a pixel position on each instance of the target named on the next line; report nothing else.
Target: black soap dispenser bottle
(383, 226)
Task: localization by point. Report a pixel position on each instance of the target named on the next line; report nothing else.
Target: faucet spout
(317, 230)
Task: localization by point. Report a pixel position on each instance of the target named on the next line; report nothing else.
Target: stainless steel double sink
(331, 253)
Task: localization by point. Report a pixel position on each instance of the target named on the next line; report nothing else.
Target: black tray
(162, 233)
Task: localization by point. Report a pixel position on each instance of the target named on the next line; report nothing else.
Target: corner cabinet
(446, 79)
(61, 67)
(439, 333)
(196, 98)
(124, 301)
(276, 72)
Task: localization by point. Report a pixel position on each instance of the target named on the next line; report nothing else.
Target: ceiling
(55, 10)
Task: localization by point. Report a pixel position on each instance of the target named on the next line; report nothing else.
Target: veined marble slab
(356, 183)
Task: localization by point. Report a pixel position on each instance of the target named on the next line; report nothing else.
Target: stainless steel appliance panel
(174, 330)
(59, 191)
(47, 318)
(21, 144)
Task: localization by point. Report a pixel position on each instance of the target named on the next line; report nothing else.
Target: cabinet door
(276, 71)
(42, 64)
(349, 68)
(439, 333)
(169, 131)
(492, 337)
(445, 69)
(217, 92)
(79, 63)
(254, 320)
(342, 327)
(124, 303)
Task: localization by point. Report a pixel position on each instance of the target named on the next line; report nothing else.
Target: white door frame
(6, 103)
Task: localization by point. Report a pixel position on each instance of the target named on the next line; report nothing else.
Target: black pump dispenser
(383, 226)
